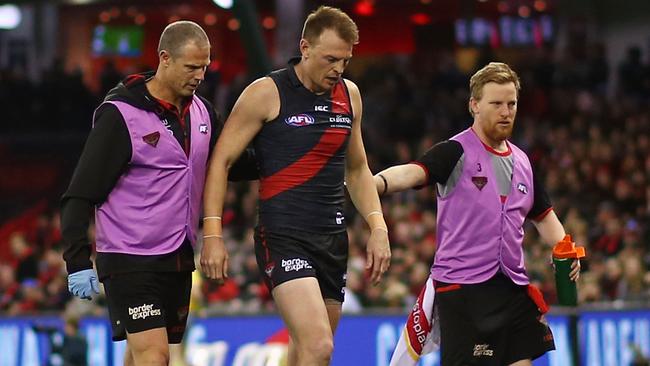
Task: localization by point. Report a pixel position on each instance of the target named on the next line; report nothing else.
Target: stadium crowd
(585, 128)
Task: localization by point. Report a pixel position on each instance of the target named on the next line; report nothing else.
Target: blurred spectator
(25, 261)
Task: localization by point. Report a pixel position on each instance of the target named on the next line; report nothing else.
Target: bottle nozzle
(566, 248)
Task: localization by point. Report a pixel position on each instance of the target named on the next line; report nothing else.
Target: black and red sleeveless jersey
(301, 155)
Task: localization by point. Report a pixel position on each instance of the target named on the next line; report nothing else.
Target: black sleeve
(215, 122)
(75, 219)
(103, 160)
(440, 160)
(541, 201)
(245, 168)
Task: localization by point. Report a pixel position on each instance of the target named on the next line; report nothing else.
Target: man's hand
(214, 259)
(83, 284)
(575, 270)
(377, 254)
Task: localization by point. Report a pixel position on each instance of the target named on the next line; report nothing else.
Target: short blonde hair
(327, 17)
(494, 72)
(178, 34)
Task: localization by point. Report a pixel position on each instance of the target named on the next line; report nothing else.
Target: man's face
(495, 111)
(326, 59)
(185, 71)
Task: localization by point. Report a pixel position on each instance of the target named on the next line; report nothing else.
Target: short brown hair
(494, 72)
(177, 34)
(327, 17)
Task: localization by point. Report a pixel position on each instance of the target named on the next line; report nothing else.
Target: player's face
(186, 71)
(327, 59)
(494, 113)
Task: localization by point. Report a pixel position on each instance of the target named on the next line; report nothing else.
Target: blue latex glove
(83, 283)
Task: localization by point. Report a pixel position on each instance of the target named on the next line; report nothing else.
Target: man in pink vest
(142, 171)
(486, 189)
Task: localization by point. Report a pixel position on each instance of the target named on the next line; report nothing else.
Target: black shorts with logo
(490, 323)
(139, 301)
(286, 254)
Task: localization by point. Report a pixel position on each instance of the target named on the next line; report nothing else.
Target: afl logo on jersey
(299, 120)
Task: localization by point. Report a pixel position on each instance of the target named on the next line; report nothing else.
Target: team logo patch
(479, 182)
(300, 120)
(269, 269)
(522, 188)
(203, 128)
(152, 138)
(182, 312)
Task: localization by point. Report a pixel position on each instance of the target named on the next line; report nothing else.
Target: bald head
(178, 34)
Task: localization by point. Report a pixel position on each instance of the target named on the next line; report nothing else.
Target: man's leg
(128, 356)
(149, 347)
(522, 363)
(303, 310)
(334, 315)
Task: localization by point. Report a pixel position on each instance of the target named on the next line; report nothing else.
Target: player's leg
(128, 357)
(522, 363)
(149, 347)
(330, 261)
(333, 312)
(334, 315)
(303, 310)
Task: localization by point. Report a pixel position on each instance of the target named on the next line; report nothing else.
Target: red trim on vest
(498, 153)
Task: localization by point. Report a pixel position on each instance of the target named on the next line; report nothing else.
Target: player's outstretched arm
(399, 178)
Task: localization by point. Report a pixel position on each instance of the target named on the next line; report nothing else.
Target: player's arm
(245, 168)
(434, 166)
(547, 223)
(400, 178)
(258, 103)
(358, 179)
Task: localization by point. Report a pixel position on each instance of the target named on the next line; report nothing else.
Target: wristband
(373, 213)
(212, 218)
(385, 184)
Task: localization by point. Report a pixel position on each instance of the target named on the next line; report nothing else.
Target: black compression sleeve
(104, 157)
(541, 200)
(75, 219)
(103, 160)
(440, 160)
